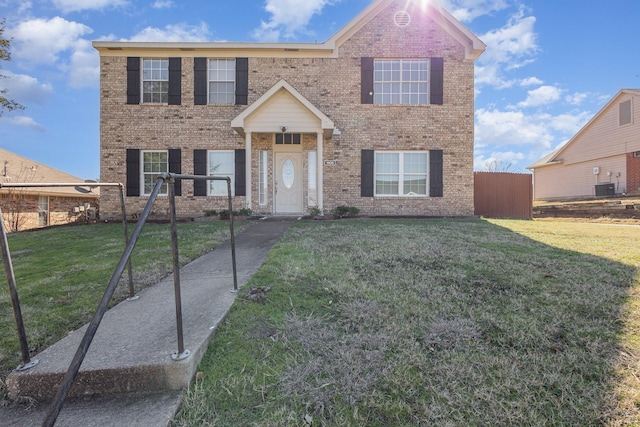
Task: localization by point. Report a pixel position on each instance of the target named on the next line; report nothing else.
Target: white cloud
(25, 89)
(576, 98)
(569, 124)
(162, 4)
(174, 33)
(288, 18)
(531, 81)
(84, 69)
(67, 6)
(541, 96)
(508, 48)
(515, 128)
(24, 122)
(41, 41)
(503, 128)
(468, 10)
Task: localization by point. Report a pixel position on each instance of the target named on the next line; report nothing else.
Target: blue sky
(548, 68)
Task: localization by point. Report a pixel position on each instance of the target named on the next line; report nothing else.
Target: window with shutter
(402, 81)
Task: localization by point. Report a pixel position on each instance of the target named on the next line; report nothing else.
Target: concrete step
(132, 349)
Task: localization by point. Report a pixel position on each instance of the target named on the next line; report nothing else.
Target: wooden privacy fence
(503, 195)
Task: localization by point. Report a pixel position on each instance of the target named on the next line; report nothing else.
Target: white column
(320, 172)
(247, 168)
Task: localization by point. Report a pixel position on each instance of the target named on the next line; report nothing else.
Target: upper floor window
(222, 81)
(155, 80)
(625, 113)
(153, 163)
(401, 173)
(401, 81)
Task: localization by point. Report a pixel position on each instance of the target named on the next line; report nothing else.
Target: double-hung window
(401, 173)
(155, 80)
(401, 81)
(222, 81)
(221, 163)
(153, 163)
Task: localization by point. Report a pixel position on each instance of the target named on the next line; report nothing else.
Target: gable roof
(555, 156)
(472, 44)
(15, 168)
(296, 100)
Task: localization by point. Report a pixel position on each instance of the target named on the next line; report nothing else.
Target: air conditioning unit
(596, 170)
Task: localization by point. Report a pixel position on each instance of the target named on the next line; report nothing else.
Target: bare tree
(17, 205)
(497, 166)
(6, 104)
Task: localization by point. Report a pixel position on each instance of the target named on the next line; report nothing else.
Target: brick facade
(332, 83)
(633, 173)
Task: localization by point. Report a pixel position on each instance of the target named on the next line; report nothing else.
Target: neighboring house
(602, 159)
(33, 207)
(379, 117)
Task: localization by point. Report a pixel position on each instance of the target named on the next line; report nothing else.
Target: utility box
(605, 190)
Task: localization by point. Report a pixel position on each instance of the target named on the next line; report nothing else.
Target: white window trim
(143, 173)
(400, 82)
(400, 175)
(263, 170)
(312, 178)
(209, 81)
(143, 80)
(233, 176)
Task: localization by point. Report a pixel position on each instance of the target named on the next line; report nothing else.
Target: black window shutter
(366, 80)
(200, 168)
(133, 80)
(175, 81)
(241, 177)
(436, 89)
(242, 81)
(175, 166)
(366, 173)
(435, 173)
(133, 172)
(200, 81)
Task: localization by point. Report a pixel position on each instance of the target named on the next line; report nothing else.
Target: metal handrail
(27, 363)
(81, 352)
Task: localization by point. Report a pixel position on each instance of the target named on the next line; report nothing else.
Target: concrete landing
(131, 352)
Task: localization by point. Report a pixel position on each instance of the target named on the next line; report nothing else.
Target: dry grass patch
(441, 322)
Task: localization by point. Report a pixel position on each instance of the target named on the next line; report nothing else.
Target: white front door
(288, 183)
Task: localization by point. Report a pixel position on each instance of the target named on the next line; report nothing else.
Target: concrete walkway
(129, 360)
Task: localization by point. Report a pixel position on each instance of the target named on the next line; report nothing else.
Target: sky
(549, 66)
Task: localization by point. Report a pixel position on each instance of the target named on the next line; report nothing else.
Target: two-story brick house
(379, 117)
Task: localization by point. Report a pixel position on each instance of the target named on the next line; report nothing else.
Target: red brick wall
(633, 174)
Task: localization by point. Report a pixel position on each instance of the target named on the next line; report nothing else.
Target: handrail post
(74, 367)
(132, 294)
(233, 240)
(27, 363)
(181, 353)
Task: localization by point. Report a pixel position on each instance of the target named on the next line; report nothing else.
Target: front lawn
(437, 322)
(62, 273)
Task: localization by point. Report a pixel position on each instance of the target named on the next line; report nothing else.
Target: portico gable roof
(302, 113)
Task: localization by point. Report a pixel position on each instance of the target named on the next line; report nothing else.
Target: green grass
(62, 273)
(440, 322)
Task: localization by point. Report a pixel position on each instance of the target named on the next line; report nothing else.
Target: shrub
(342, 211)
